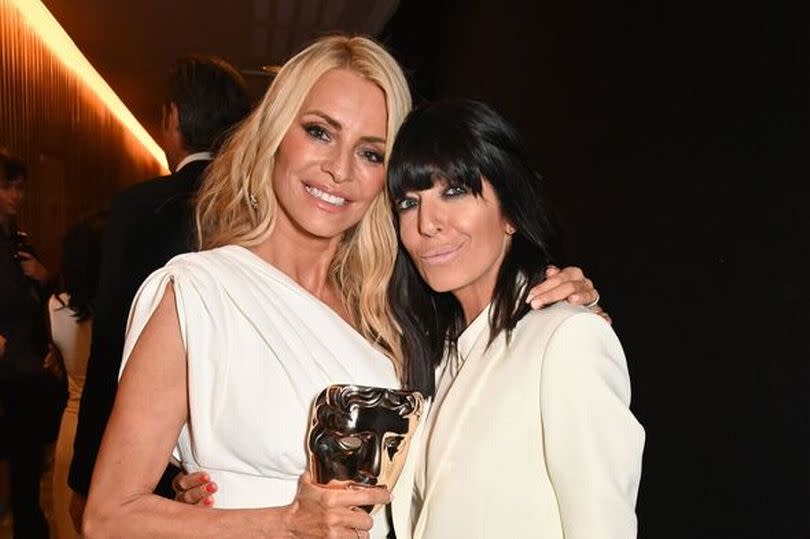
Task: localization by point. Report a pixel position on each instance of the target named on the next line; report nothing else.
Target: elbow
(91, 525)
(97, 521)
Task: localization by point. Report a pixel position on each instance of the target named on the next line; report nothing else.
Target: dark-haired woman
(530, 432)
(71, 324)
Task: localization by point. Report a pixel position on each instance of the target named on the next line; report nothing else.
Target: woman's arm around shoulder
(593, 442)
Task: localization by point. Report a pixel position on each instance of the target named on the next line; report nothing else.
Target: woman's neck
(472, 307)
(303, 258)
(474, 298)
(477, 294)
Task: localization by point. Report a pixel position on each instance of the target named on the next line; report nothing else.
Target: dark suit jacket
(149, 224)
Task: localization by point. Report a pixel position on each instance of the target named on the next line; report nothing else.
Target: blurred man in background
(31, 396)
(149, 224)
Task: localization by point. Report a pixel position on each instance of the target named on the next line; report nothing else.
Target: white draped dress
(259, 349)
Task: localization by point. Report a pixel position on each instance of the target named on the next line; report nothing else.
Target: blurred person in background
(30, 395)
(71, 313)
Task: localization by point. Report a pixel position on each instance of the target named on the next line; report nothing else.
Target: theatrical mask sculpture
(362, 434)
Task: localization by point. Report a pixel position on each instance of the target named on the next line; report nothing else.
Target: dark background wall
(673, 137)
(674, 143)
(76, 151)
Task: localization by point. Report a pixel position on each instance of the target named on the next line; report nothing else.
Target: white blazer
(533, 439)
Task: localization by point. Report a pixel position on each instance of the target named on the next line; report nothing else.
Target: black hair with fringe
(464, 142)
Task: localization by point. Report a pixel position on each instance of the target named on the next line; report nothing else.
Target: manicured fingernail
(205, 478)
(537, 304)
(210, 487)
(529, 299)
(208, 501)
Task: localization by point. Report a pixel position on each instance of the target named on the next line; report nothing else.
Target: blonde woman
(227, 347)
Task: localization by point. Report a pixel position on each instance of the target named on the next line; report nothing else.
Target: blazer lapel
(401, 505)
(442, 434)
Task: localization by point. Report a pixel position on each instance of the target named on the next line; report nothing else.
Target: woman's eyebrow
(338, 126)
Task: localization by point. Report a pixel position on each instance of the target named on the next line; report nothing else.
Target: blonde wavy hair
(236, 203)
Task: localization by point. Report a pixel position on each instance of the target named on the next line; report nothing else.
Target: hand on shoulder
(569, 284)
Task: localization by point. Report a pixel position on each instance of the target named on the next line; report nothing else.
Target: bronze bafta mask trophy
(362, 434)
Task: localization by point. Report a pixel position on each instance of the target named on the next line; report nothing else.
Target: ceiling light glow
(53, 36)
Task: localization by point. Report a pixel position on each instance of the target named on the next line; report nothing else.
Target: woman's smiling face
(329, 167)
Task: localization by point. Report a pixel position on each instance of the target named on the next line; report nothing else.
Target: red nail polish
(209, 501)
(210, 487)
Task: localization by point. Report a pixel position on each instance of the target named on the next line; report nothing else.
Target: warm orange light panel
(58, 41)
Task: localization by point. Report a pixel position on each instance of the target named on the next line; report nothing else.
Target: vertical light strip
(48, 29)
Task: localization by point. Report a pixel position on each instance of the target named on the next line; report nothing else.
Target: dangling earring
(510, 230)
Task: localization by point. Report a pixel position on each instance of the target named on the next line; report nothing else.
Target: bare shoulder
(160, 342)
